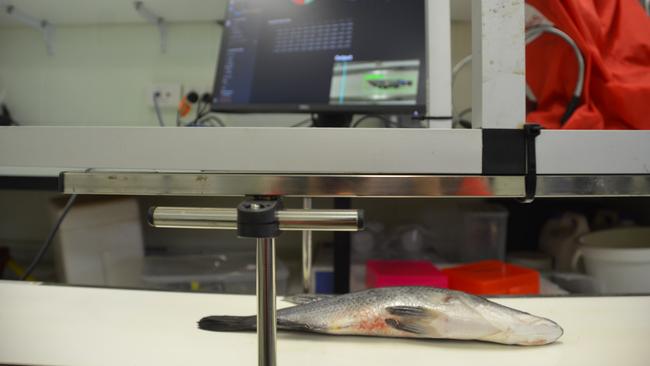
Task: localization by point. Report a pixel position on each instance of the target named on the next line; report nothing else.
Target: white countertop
(53, 325)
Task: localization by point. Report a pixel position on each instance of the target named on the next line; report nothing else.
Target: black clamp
(531, 131)
(257, 218)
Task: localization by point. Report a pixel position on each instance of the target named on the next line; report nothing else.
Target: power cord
(50, 238)
(204, 116)
(387, 122)
(308, 122)
(532, 34)
(463, 122)
(203, 121)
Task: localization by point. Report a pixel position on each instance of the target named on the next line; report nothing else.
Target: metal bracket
(261, 218)
(41, 25)
(258, 218)
(156, 20)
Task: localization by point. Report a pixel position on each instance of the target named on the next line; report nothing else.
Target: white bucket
(618, 259)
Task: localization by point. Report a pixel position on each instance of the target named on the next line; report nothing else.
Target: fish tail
(228, 323)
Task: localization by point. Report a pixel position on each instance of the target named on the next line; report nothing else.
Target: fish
(405, 312)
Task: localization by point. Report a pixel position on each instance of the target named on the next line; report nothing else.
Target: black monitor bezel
(415, 109)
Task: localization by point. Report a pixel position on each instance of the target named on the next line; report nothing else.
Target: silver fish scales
(410, 312)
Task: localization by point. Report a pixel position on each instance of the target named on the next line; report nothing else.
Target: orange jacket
(614, 37)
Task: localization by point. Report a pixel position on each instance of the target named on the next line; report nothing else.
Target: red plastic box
(493, 278)
(381, 273)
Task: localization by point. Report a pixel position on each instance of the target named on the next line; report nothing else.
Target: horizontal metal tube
(241, 185)
(226, 219)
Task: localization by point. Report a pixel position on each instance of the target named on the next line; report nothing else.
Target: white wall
(99, 74)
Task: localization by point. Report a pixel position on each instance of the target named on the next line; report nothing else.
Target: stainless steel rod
(226, 219)
(307, 249)
(266, 317)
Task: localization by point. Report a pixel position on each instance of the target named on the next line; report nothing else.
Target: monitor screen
(354, 56)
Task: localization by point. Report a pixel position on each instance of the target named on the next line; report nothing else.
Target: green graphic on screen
(379, 82)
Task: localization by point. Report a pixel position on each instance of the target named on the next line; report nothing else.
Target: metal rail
(371, 186)
(226, 219)
(290, 185)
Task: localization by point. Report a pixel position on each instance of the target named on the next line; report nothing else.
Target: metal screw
(255, 206)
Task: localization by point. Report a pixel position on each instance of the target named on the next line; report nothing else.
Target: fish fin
(303, 299)
(290, 325)
(407, 326)
(413, 311)
(411, 319)
(228, 323)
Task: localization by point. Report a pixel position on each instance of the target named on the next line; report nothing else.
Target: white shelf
(310, 151)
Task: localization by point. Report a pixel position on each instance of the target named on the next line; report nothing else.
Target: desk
(57, 325)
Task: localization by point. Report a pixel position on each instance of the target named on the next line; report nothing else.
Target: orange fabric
(614, 36)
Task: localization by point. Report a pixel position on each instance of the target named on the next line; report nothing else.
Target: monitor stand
(333, 119)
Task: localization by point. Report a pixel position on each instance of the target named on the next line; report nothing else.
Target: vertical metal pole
(266, 317)
(342, 253)
(307, 250)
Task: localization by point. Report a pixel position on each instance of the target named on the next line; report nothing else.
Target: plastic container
(403, 273)
(231, 273)
(484, 233)
(493, 278)
(534, 260)
(468, 232)
(618, 259)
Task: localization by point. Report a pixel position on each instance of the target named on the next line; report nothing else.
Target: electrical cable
(464, 123)
(459, 66)
(156, 106)
(50, 238)
(309, 120)
(386, 121)
(467, 60)
(201, 122)
(532, 34)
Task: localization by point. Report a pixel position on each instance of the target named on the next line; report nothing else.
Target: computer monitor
(322, 56)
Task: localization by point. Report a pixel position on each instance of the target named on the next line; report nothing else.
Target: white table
(53, 325)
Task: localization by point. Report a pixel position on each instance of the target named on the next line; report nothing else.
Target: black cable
(309, 120)
(387, 122)
(50, 238)
(212, 118)
(463, 122)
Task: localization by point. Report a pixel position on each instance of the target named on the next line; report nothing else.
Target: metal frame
(222, 184)
(47, 151)
(366, 186)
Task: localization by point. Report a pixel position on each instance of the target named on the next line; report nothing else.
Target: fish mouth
(540, 332)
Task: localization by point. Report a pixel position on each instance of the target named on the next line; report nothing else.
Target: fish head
(531, 330)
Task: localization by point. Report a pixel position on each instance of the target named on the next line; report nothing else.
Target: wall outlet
(199, 89)
(169, 95)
